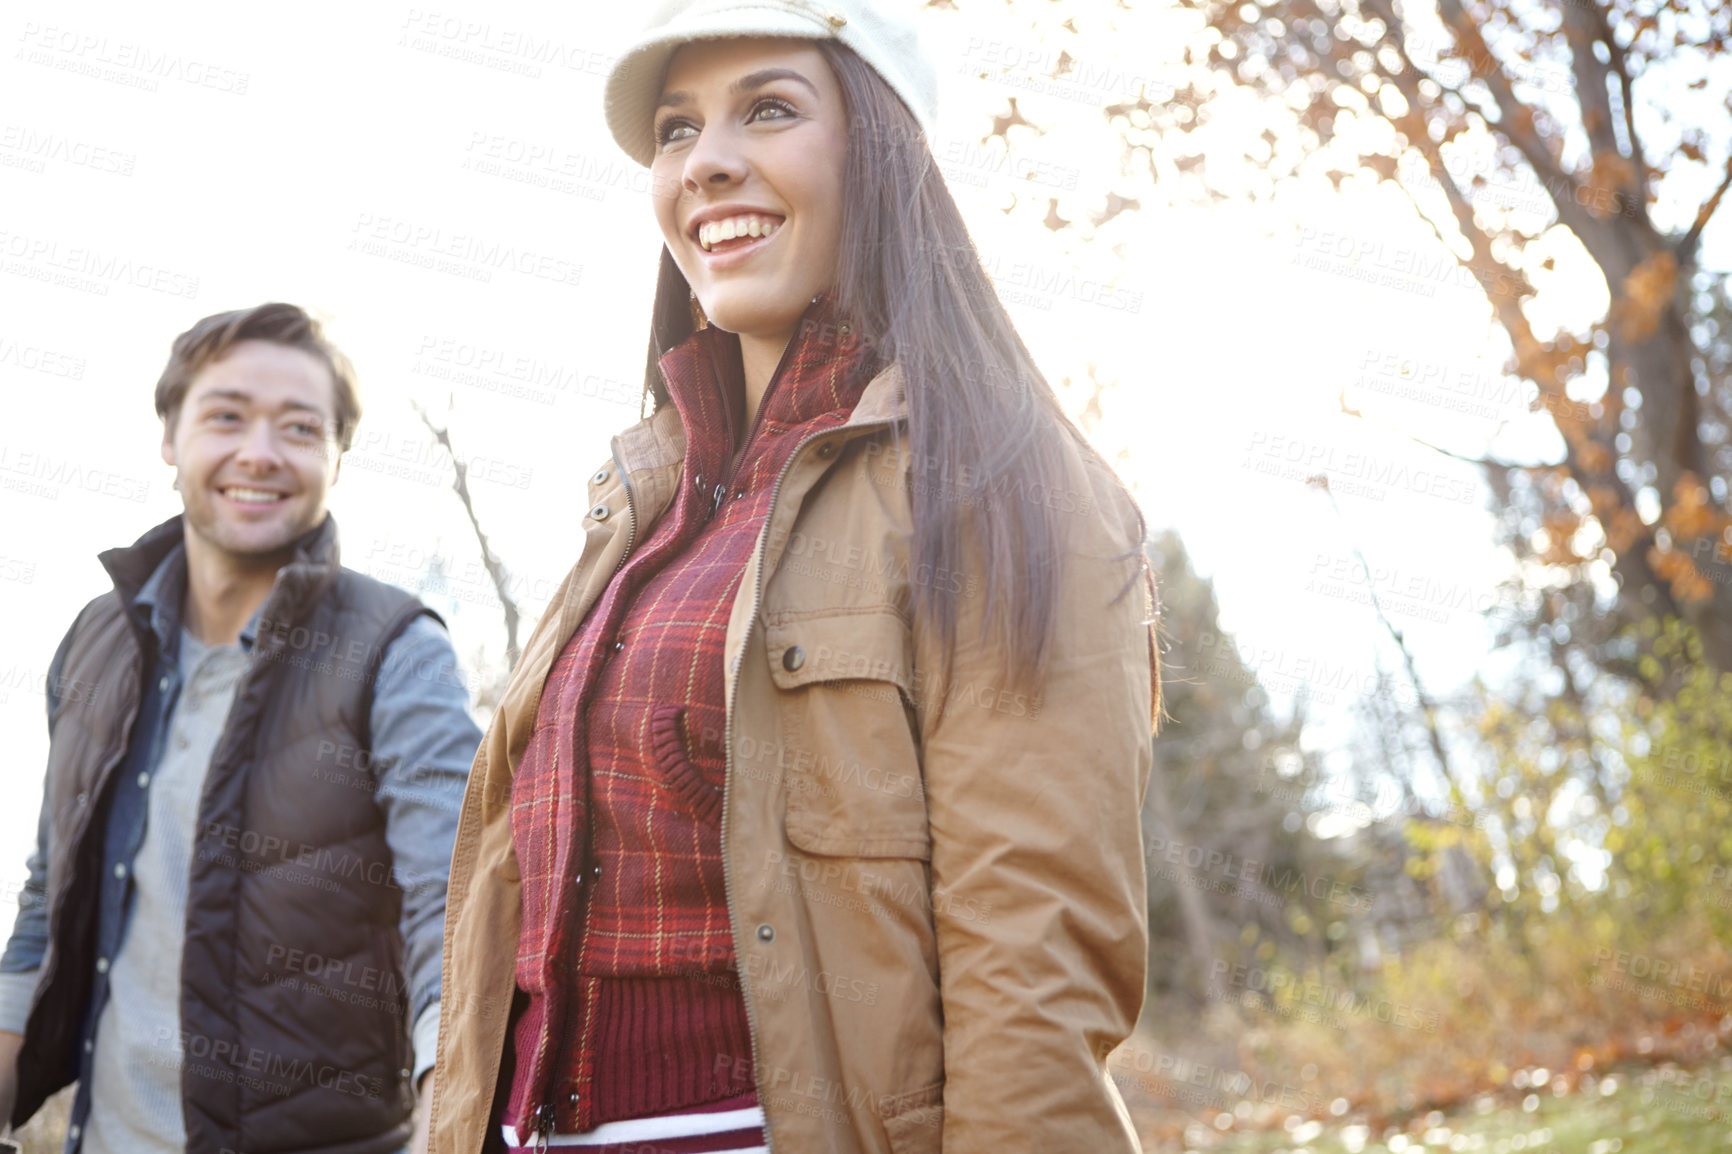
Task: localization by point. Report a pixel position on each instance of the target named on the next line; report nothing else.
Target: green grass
(1654, 1110)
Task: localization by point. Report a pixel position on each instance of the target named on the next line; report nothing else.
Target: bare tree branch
(1427, 707)
(495, 568)
(1620, 65)
(1687, 246)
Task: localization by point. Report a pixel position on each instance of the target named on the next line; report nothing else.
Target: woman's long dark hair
(984, 426)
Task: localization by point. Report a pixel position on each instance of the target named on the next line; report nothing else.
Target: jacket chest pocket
(851, 762)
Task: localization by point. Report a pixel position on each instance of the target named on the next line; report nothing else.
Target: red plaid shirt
(625, 953)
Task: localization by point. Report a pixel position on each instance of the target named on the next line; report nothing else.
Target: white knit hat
(884, 38)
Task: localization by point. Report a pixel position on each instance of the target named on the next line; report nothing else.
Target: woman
(809, 820)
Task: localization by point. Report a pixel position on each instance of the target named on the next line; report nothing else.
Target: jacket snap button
(793, 657)
(600, 478)
(766, 933)
(600, 512)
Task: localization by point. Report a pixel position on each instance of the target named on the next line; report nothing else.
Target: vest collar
(299, 583)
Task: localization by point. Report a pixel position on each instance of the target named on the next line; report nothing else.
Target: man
(230, 935)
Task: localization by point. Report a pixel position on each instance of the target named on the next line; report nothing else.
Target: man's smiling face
(254, 448)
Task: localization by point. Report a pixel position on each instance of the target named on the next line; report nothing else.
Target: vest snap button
(793, 657)
(766, 933)
(600, 512)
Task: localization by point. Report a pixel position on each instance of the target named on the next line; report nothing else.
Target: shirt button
(144, 780)
(81, 798)
(102, 965)
(600, 512)
(766, 933)
(73, 1131)
(180, 741)
(89, 1045)
(163, 684)
(595, 871)
(793, 657)
(618, 645)
(120, 870)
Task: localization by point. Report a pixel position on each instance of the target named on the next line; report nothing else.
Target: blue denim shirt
(423, 742)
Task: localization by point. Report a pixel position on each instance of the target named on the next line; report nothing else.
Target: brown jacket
(940, 922)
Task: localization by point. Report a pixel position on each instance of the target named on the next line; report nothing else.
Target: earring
(699, 320)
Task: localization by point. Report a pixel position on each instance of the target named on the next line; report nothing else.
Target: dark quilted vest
(289, 855)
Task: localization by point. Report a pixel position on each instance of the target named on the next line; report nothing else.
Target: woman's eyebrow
(744, 84)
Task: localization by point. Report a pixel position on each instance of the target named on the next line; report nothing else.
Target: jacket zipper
(720, 492)
(630, 511)
(541, 1121)
(728, 734)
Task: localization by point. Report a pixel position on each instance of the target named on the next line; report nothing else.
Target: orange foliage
(1610, 174)
(1593, 456)
(1561, 526)
(1674, 566)
(1646, 293)
(1691, 515)
(1623, 530)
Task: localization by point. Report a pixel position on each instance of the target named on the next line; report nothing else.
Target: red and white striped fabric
(731, 1126)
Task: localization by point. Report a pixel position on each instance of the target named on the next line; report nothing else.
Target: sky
(371, 163)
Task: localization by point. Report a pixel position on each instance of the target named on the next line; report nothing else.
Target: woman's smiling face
(751, 149)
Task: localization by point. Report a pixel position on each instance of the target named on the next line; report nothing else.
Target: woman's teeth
(717, 232)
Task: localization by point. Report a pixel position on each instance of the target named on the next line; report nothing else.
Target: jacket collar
(823, 368)
(659, 441)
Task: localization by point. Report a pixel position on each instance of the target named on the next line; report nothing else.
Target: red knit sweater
(625, 952)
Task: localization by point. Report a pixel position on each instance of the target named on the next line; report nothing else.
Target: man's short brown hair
(283, 324)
